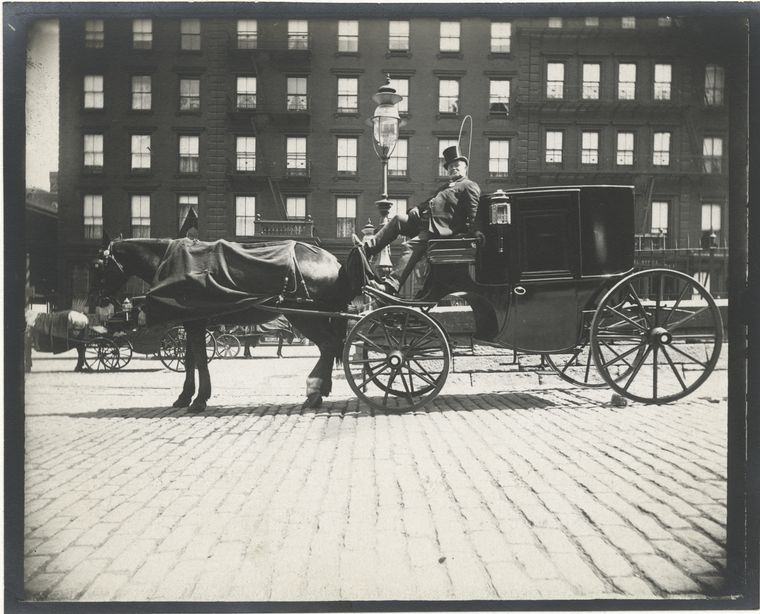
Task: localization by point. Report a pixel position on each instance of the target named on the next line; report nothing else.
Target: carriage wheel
(227, 346)
(671, 327)
(100, 354)
(125, 348)
(171, 351)
(578, 367)
(402, 352)
(211, 346)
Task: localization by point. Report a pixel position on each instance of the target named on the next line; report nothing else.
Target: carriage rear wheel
(125, 348)
(171, 351)
(100, 354)
(402, 352)
(227, 346)
(671, 327)
(211, 346)
(578, 367)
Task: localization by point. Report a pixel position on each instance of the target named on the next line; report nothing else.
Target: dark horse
(326, 283)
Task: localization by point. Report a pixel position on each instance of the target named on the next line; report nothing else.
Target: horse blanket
(58, 331)
(207, 280)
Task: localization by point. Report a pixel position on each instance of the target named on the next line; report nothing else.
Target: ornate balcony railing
(285, 228)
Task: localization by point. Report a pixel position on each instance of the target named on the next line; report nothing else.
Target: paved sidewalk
(528, 488)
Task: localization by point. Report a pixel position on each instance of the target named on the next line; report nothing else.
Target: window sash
(141, 93)
(345, 209)
(501, 37)
(397, 163)
(628, 23)
(448, 96)
(245, 216)
(711, 217)
(402, 89)
(142, 33)
(247, 34)
(659, 217)
(189, 160)
(94, 34)
(555, 80)
(498, 95)
(627, 82)
(140, 151)
(498, 157)
(348, 94)
(93, 92)
(449, 39)
(398, 35)
(661, 149)
(93, 150)
(347, 155)
(625, 148)
(554, 146)
(295, 158)
(298, 34)
(662, 81)
(555, 22)
(348, 36)
(92, 213)
(246, 93)
(186, 202)
(190, 34)
(245, 153)
(591, 81)
(140, 215)
(189, 94)
(295, 207)
(714, 84)
(591, 22)
(590, 148)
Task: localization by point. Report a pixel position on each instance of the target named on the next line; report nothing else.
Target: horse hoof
(180, 402)
(196, 407)
(312, 401)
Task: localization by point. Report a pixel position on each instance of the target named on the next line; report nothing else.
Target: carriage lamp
(501, 214)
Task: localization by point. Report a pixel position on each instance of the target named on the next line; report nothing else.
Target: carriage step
(389, 299)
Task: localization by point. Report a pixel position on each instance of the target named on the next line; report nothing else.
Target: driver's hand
(370, 241)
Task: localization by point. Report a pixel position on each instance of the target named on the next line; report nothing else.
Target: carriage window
(662, 81)
(714, 83)
(347, 154)
(346, 215)
(245, 216)
(142, 34)
(187, 203)
(295, 161)
(245, 153)
(297, 98)
(501, 37)
(141, 93)
(398, 36)
(298, 34)
(246, 92)
(554, 146)
(712, 154)
(93, 91)
(546, 240)
(591, 80)
(93, 152)
(189, 160)
(190, 34)
(140, 215)
(296, 207)
(448, 96)
(247, 34)
(444, 144)
(402, 89)
(661, 149)
(449, 36)
(498, 157)
(140, 152)
(93, 216)
(590, 148)
(189, 94)
(498, 97)
(94, 34)
(555, 80)
(397, 163)
(348, 94)
(626, 81)
(660, 217)
(348, 36)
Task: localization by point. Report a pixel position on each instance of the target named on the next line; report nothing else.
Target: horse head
(109, 272)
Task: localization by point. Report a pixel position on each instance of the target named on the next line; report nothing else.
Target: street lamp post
(385, 124)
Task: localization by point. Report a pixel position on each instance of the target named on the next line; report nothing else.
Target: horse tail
(339, 327)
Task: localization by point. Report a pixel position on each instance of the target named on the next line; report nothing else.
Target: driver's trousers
(413, 249)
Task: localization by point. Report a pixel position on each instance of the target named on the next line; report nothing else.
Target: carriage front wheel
(227, 346)
(667, 325)
(100, 354)
(125, 348)
(171, 350)
(400, 352)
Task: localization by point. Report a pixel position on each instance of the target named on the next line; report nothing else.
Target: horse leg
(279, 345)
(80, 356)
(188, 388)
(319, 381)
(196, 333)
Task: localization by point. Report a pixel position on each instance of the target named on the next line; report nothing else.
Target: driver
(451, 211)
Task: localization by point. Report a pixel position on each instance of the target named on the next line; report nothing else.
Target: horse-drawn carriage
(554, 276)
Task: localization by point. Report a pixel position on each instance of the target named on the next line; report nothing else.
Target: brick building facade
(259, 124)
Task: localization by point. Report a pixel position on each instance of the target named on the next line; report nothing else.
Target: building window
(140, 215)
(449, 36)
(659, 217)
(662, 81)
(555, 22)
(591, 22)
(397, 163)
(661, 149)
(93, 152)
(298, 34)
(346, 213)
(141, 93)
(189, 160)
(348, 36)
(142, 34)
(245, 216)
(245, 153)
(555, 80)
(501, 37)
(296, 155)
(398, 36)
(664, 22)
(94, 34)
(711, 214)
(297, 94)
(140, 151)
(189, 94)
(498, 96)
(444, 144)
(628, 23)
(93, 216)
(625, 149)
(246, 93)
(398, 204)
(591, 80)
(714, 84)
(93, 92)
(712, 154)
(498, 157)
(347, 155)
(590, 148)
(296, 207)
(448, 96)
(247, 34)
(348, 95)
(402, 89)
(185, 204)
(626, 81)
(554, 146)
(190, 34)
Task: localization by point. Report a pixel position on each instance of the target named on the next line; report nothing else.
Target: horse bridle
(108, 257)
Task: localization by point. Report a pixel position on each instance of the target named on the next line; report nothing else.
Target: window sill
(92, 170)
(189, 51)
(140, 172)
(499, 55)
(347, 176)
(340, 113)
(448, 116)
(451, 55)
(350, 54)
(190, 112)
(398, 54)
(187, 175)
(398, 177)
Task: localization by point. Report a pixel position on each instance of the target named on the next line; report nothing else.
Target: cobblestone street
(512, 484)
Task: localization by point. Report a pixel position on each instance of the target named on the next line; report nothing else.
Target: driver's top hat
(452, 154)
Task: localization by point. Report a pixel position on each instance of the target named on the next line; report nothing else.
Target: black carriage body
(537, 277)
